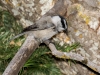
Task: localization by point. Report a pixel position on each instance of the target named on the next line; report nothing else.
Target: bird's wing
(42, 24)
(37, 27)
(30, 28)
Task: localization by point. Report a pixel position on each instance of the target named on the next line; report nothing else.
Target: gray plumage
(45, 28)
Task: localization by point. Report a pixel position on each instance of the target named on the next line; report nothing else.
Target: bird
(46, 28)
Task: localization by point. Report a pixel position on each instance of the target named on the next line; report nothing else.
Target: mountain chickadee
(45, 28)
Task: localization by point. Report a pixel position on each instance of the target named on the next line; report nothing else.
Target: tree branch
(21, 56)
(73, 56)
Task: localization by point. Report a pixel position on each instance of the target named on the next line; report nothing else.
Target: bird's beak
(66, 32)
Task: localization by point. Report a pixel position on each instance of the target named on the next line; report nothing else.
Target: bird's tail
(17, 36)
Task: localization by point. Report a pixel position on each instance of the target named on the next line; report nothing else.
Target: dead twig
(73, 56)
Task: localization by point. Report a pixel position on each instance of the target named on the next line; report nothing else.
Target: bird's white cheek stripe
(65, 23)
(55, 20)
